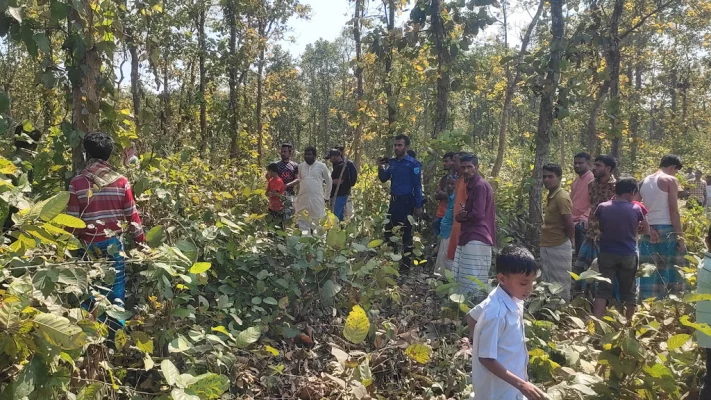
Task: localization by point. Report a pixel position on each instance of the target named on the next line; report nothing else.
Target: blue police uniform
(405, 177)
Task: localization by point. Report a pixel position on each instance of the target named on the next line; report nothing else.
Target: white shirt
(499, 334)
(314, 189)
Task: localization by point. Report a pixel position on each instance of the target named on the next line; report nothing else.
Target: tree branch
(645, 18)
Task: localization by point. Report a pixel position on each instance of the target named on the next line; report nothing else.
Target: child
(103, 199)
(499, 354)
(620, 221)
(703, 313)
(275, 191)
(445, 228)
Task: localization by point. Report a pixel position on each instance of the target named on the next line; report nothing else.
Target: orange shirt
(276, 185)
(460, 197)
(442, 208)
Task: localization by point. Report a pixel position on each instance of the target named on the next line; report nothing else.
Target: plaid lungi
(557, 262)
(473, 259)
(664, 255)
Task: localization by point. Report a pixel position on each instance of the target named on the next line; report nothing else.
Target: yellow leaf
(180, 286)
(375, 243)
(68, 221)
(272, 350)
(221, 329)
(419, 352)
(199, 268)
(677, 341)
(357, 325)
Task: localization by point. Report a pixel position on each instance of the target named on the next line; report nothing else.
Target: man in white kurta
(314, 190)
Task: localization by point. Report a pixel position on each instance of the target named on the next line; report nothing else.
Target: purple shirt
(480, 224)
(619, 223)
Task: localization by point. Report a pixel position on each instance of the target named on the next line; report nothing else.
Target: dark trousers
(706, 382)
(276, 219)
(400, 208)
(579, 236)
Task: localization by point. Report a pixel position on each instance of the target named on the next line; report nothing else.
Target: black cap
(332, 153)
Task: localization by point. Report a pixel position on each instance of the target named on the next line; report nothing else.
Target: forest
(224, 307)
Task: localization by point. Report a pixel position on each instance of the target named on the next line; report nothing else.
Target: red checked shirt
(103, 199)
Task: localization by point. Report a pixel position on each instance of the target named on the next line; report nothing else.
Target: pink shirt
(580, 196)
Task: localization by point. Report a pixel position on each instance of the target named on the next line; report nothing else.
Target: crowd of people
(608, 220)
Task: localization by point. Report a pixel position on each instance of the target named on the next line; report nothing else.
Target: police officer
(405, 174)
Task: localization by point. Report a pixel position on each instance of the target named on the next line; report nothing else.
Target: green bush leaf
(179, 345)
(330, 289)
(248, 336)
(4, 102)
(695, 297)
(155, 236)
(677, 341)
(209, 386)
(54, 206)
(199, 268)
(59, 331)
(170, 372)
(375, 243)
(68, 221)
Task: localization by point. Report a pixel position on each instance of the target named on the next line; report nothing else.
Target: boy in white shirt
(499, 354)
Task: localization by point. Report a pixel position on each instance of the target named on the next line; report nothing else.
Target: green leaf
(199, 268)
(170, 372)
(58, 10)
(375, 243)
(120, 339)
(330, 289)
(144, 343)
(92, 391)
(705, 328)
(59, 331)
(155, 236)
(248, 336)
(42, 42)
(357, 325)
(695, 297)
(457, 298)
(271, 301)
(209, 386)
(16, 13)
(68, 221)
(179, 345)
(179, 394)
(658, 370)
(4, 102)
(25, 383)
(54, 206)
(677, 341)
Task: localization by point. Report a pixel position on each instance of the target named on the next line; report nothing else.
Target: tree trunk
(258, 108)
(443, 64)
(613, 62)
(392, 101)
(545, 120)
(232, 78)
(511, 90)
(85, 93)
(203, 79)
(165, 97)
(634, 120)
(358, 72)
(590, 138)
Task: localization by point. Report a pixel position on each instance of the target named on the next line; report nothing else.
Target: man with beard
(343, 181)
(478, 228)
(600, 190)
(288, 172)
(314, 182)
(404, 173)
(580, 197)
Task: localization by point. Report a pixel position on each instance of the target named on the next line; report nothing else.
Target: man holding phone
(478, 232)
(405, 175)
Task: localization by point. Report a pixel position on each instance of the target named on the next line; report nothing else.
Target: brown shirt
(599, 193)
(553, 230)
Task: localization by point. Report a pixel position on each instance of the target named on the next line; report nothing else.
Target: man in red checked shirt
(103, 199)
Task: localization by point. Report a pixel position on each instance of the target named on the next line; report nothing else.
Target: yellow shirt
(553, 230)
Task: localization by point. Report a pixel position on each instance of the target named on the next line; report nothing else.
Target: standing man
(600, 190)
(288, 172)
(580, 197)
(478, 229)
(441, 193)
(460, 198)
(558, 231)
(697, 190)
(405, 192)
(343, 181)
(665, 246)
(314, 182)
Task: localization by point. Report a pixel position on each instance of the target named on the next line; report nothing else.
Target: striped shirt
(103, 199)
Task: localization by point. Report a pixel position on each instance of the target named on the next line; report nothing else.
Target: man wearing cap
(343, 181)
(405, 174)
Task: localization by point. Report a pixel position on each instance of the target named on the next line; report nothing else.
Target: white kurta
(314, 190)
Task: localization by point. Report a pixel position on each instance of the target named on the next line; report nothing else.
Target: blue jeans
(117, 294)
(339, 207)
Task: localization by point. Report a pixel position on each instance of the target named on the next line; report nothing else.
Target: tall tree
(358, 73)
(202, 50)
(545, 118)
